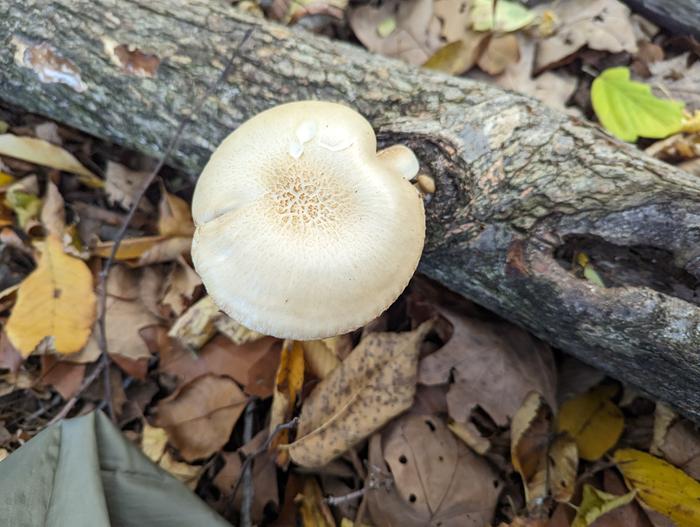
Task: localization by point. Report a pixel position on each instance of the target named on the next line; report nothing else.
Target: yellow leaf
(129, 249)
(314, 511)
(43, 153)
(174, 216)
(563, 467)
(457, 57)
(593, 420)
(661, 486)
(595, 503)
(153, 441)
(6, 179)
(691, 122)
(288, 383)
(56, 300)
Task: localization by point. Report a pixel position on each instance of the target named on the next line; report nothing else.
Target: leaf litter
(525, 435)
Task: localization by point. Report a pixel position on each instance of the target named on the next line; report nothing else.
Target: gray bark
(680, 17)
(520, 187)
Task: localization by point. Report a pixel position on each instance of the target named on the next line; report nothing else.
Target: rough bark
(681, 17)
(520, 187)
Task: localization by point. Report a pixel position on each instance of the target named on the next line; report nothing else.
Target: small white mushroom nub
(303, 231)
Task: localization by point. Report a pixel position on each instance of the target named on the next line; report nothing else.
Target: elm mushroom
(303, 230)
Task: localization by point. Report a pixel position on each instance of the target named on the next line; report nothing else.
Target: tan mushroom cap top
(303, 231)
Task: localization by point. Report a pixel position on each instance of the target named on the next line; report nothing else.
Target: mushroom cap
(302, 230)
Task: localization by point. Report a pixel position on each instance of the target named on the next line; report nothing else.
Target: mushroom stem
(401, 159)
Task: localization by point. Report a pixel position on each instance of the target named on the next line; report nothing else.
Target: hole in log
(634, 266)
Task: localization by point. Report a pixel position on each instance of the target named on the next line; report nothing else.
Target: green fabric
(84, 473)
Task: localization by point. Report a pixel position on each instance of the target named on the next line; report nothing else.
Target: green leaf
(595, 503)
(509, 16)
(386, 27)
(629, 110)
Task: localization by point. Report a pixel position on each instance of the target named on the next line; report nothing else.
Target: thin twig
(337, 500)
(102, 281)
(247, 477)
(291, 425)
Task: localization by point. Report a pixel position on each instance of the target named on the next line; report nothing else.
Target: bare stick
(291, 425)
(337, 500)
(247, 477)
(102, 283)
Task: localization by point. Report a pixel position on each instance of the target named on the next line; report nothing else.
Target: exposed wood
(680, 17)
(520, 188)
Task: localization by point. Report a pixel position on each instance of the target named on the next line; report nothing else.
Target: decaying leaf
(629, 110)
(630, 515)
(174, 217)
(494, 365)
(529, 445)
(126, 316)
(200, 416)
(22, 197)
(593, 420)
(53, 215)
(55, 301)
(661, 486)
(188, 474)
(501, 52)
(437, 479)
(123, 185)
(43, 153)
(153, 442)
(595, 503)
(598, 24)
(468, 433)
(64, 376)
(563, 467)
(129, 249)
(180, 286)
(373, 384)
(410, 39)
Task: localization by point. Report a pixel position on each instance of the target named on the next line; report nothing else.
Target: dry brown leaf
(599, 24)
(56, 300)
(459, 56)
(552, 88)
(437, 479)
(664, 417)
(675, 79)
(53, 215)
(563, 467)
(130, 250)
(43, 153)
(468, 433)
(373, 384)
(529, 444)
(681, 447)
(494, 365)
(123, 185)
(410, 38)
(501, 52)
(200, 416)
(65, 377)
(264, 477)
(320, 358)
(174, 218)
(180, 286)
(167, 250)
(452, 18)
(126, 316)
(252, 364)
(196, 325)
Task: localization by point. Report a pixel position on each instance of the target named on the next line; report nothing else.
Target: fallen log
(520, 188)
